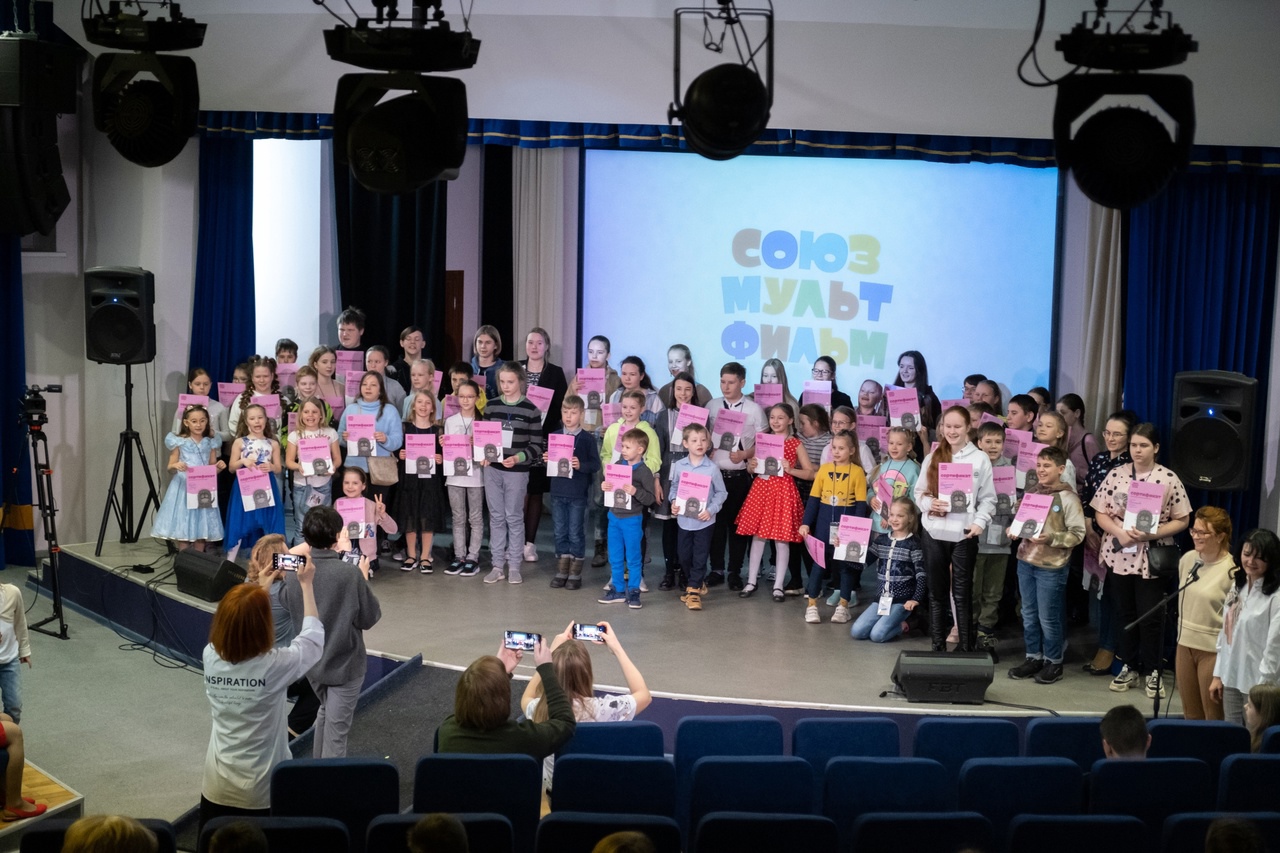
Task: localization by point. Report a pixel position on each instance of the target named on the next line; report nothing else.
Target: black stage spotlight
(404, 143)
(401, 144)
(147, 119)
(1123, 155)
(725, 108)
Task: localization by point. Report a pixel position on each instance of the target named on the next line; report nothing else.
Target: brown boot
(574, 581)
(562, 573)
(601, 555)
(1101, 663)
(692, 599)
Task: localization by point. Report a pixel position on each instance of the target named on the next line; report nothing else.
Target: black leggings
(949, 568)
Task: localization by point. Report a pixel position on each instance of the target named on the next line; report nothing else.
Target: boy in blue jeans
(693, 538)
(626, 524)
(569, 497)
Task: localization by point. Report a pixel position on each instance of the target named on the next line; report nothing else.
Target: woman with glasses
(1116, 438)
(824, 368)
(1200, 610)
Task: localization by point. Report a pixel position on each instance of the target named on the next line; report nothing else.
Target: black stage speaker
(206, 576)
(118, 323)
(944, 677)
(1213, 429)
(38, 80)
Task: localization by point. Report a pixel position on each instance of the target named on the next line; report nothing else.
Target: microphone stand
(1162, 606)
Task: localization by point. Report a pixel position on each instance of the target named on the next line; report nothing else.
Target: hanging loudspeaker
(37, 81)
(1213, 414)
(118, 323)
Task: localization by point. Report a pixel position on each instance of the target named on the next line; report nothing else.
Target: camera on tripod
(33, 412)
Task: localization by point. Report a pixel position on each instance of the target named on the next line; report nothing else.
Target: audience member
(1234, 835)
(347, 608)
(1124, 733)
(438, 833)
(245, 678)
(239, 837)
(107, 833)
(625, 842)
(481, 719)
(16, 806)
(1261, 712)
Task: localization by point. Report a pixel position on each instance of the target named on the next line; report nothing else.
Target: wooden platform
(63, 802)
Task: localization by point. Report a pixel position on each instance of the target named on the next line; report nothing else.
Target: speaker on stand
(1212, 429)
(120, 329)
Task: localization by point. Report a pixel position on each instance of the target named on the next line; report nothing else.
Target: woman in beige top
(1200, 610)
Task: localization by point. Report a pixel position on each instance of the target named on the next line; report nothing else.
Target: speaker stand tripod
(122, 503)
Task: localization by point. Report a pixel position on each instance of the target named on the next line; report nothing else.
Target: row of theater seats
(840, 768)
(733, 832)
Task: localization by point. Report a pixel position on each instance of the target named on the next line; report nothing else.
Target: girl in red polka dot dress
(772, 510)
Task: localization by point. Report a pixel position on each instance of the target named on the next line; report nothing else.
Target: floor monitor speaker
(206, 576)
(944, 677)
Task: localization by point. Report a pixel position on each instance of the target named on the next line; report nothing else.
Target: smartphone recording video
(288, 562)
(593, 633)
(522, 640)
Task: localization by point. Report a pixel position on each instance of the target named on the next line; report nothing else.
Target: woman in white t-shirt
(245, 678)
(572, 662)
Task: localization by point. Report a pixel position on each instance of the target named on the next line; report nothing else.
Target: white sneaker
(1126, 679)
(842, 614)
(608, 587)
(1155, 684)
(530, 552)
(644, 587)
(514, 576)
(811, 615)
(494, 576)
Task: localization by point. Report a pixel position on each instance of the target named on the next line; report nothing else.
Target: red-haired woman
(245, 678)
(954, 521)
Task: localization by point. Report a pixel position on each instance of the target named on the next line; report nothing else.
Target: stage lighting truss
(726, 107)
(147, 105)
(1105, 128)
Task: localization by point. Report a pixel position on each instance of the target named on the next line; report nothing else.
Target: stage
(748, 655)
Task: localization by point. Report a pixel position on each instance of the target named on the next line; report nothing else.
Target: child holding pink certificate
(772, 510)
(255, 449)
(191, 520)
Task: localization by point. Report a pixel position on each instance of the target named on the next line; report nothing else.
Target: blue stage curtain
(17, 545)
(818, 143)
(222, 320)
(1200, 295)
(245, 125)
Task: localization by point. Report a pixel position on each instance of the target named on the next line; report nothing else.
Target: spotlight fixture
(725, 108)
(147, 119)
(1122, 156)
(401, 144)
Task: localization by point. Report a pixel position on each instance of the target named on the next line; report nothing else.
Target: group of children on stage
(723, 475)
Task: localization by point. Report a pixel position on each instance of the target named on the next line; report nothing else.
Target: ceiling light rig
(1122, 156)
(401, 144)
(725, 108)
(148, 119)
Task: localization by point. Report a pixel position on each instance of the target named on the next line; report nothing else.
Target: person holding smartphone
(245, 677)
(572, 664)
(481, 719)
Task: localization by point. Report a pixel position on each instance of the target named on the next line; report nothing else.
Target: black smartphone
(522, 640)
(288, 562)
(594, 633)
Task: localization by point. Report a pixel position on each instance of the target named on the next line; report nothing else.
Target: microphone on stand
(1195, 571)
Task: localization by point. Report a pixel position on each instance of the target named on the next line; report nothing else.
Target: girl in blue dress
(254, 447)
(192, 445)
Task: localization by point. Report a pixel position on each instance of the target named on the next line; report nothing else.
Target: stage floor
(747, 651)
